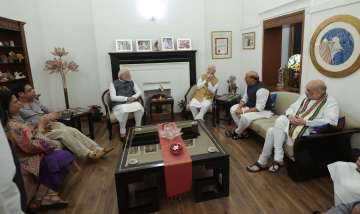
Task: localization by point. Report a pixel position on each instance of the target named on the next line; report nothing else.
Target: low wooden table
(225, 102)
(140, 185)
(159, 103)
(74, 120)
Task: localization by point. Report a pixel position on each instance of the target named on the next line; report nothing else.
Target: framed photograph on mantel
(184, 44)
(221, 42)
(123, 45)
(143, 45)
(167, 44)
(248, 40)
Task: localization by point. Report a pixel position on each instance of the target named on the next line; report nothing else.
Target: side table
(74, 119)
(225, 102)
(158, 103)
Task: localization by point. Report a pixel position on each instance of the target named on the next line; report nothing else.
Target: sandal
(94, 155)
(53, 201)
(34, 205)
(275, 166)
(230, 133)
(256, 167)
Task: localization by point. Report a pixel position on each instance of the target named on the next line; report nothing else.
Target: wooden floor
(92, 190)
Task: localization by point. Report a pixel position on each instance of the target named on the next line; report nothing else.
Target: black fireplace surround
(120, 58)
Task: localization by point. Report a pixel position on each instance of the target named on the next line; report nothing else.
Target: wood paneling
(293, 18)
(92, 190)
(271, 55)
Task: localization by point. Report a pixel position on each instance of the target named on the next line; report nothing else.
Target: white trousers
(275, 139)
(10, 200)
(244, 120)
(346, 182)
(122, 117)
(199, 109)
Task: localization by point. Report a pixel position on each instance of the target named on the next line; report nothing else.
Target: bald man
(206, 89)
(255, 104)
(124, 94)
(313, 109)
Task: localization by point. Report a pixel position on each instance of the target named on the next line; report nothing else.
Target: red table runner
(177, 168)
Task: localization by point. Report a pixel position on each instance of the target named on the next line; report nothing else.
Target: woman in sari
(38, 158)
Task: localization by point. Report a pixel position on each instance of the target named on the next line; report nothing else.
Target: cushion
(261, 126)
(329, 128)
(284, 100)
(273, 97)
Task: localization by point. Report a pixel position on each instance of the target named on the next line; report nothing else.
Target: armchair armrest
(328, 135)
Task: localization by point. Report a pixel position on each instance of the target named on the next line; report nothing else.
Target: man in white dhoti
(313, 110)
(9, 193)
(124, 94)
(346, 178)
(206, 88)
(255, 104)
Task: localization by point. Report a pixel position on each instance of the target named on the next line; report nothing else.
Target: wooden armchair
(110, 117)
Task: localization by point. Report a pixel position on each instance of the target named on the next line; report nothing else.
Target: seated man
(206, 88)
(124, 94)
(313, 110)
(346, 178)
(255, 104)
(33, 111)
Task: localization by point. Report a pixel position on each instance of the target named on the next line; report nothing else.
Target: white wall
(114, 19)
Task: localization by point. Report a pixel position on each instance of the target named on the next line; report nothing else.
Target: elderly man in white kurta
(346, 178)
(313, 110)
(206, 89)
(124, 94)
(255, 104)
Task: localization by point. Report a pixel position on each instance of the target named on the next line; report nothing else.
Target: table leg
(172, 112)
(78, 124)
(91, 126)
(151, 118)
(228, 106)
(217, 110)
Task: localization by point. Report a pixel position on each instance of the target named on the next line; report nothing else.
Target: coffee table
(139, 175)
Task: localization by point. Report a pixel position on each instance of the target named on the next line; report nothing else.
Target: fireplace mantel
(120, 58)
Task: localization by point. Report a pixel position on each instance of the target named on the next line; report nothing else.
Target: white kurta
(9, 193)
(346, 182)
(204, 105)
(244, 120)
(277, 135)
(121, 111)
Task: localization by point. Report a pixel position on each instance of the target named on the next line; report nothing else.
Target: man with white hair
(206, 88)
(312, 110)
(255, 104)
(124, 94)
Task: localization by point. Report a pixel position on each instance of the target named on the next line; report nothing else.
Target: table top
(228, 97)
(167, 99)
(143, 145)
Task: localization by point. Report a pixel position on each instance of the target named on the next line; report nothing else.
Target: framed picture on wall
(248, 40)
(335, 46)
(123, 45)
(221, 42)
(184, 44)
(167, 43)
(143, 45)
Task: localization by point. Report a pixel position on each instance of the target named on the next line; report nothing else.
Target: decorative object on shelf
(232, 87)
(1, 44)
(167, 43)
(248, 40)
(20, 57)
(12, 43)
(156, 46)
(143, 45)
(12, 57)
(184, 44)
(221, 42)
(6, 44)
(3, 59)
(334, 46)
(123, 45)
(294, 68)
(58, 65)
(19, 75)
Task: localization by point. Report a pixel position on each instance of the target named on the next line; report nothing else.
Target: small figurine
(20, 57)
(3, 59)
(19, 75)
(6, 44)
(232, 88)
(12, 43)
(156, 46)
(1, 44)
(12, 57)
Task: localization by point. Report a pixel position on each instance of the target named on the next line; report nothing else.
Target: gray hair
(122, 71)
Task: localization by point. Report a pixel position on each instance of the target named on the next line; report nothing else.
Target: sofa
(309, 155)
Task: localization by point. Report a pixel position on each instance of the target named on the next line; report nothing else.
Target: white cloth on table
(244, 120)
(278, 134)
(199, 109)
(122, 111)
(9, 193)
(346, 182)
